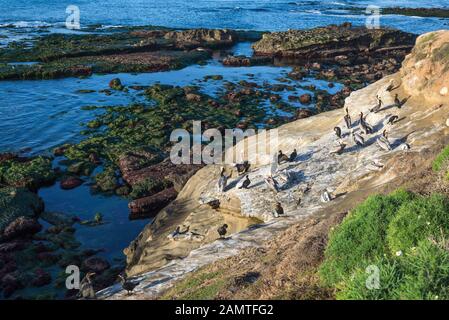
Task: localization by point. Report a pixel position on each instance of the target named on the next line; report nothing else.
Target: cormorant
(293, 155)
(326, 196)
(222, 230)
(339, 149)
(272, 183)
(358, 139)
(397, 102)
(278, 210)
(347, 118)
(338, 132)
(383, 142)
(392, 120)
(243, 167)
(282, 157)
(245, 183)
(222, 181)
(377, 107)
(127, 285)
(86, 287)
(366, 127)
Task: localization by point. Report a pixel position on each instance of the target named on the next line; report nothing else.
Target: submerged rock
(95, 264)
(71, 183)
(22, 227)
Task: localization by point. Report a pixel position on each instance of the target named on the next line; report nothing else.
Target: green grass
(441, 159)
(361, 236)
(400, 236)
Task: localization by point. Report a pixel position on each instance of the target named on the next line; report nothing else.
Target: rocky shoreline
(129, 144)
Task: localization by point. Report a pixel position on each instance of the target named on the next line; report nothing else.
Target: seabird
(392, 120)
(282, 157)
(391, 86)
(222, 181)
(278, 210)
(222, 230)
(127, 285)
(86, 287)
(272, 183)
(366, 127)
(339, 149)
(338, 132)
(293, 155)
(397, 102)
(383, 142)
(358, 139)
(326, 196)
(242, 167)
(347, 119)
(245, 183)
(377, 107)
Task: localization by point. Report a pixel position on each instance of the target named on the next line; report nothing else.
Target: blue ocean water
(42, 114)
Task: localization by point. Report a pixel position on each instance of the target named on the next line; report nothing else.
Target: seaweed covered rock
(331, 41)
(210, 38)
(22, 227)
(15, 203)
(30, 173)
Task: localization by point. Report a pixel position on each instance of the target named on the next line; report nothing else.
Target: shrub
(417, 220)
(361, 236)
(355, 287)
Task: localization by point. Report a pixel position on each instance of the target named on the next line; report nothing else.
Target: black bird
(282, 157)
(347, 118)
(245, 183)
(86, 287)
(222, 230)
(278, 210)
(243, 167)
(397, 102)
(338, 132)
(293, 155)
(377, 106)
(366, 127)
(127, 285)
(392, 120)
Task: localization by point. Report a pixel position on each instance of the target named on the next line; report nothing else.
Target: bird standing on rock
(127, 285)
(326, 196)
(366, 127)
(222, 231)
(272, 183)
(293, 155)
(338, 132)
(243, 167)
(282, 157)
(392, 120)
(383, 142)
(278, 210)
(86, 287)
(377, 107)
(222, 181)
(245, 183)
(347, 119)
(358, 139)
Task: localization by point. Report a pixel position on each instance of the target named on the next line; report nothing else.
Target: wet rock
(303, 113)
(244, 61)
(40, 278)
(150, 206)
(116, 84)
(106, 181)
(319, 43)
(71, 183)
(305, 98)
(189, 39)
(22, 227)
(95, 264)
(57, 218)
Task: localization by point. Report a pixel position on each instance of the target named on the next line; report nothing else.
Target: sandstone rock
(425, 72)
(150, 206)
(71, 183)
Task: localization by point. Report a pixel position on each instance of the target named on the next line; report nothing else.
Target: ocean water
(38, 115)
(236, 14)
